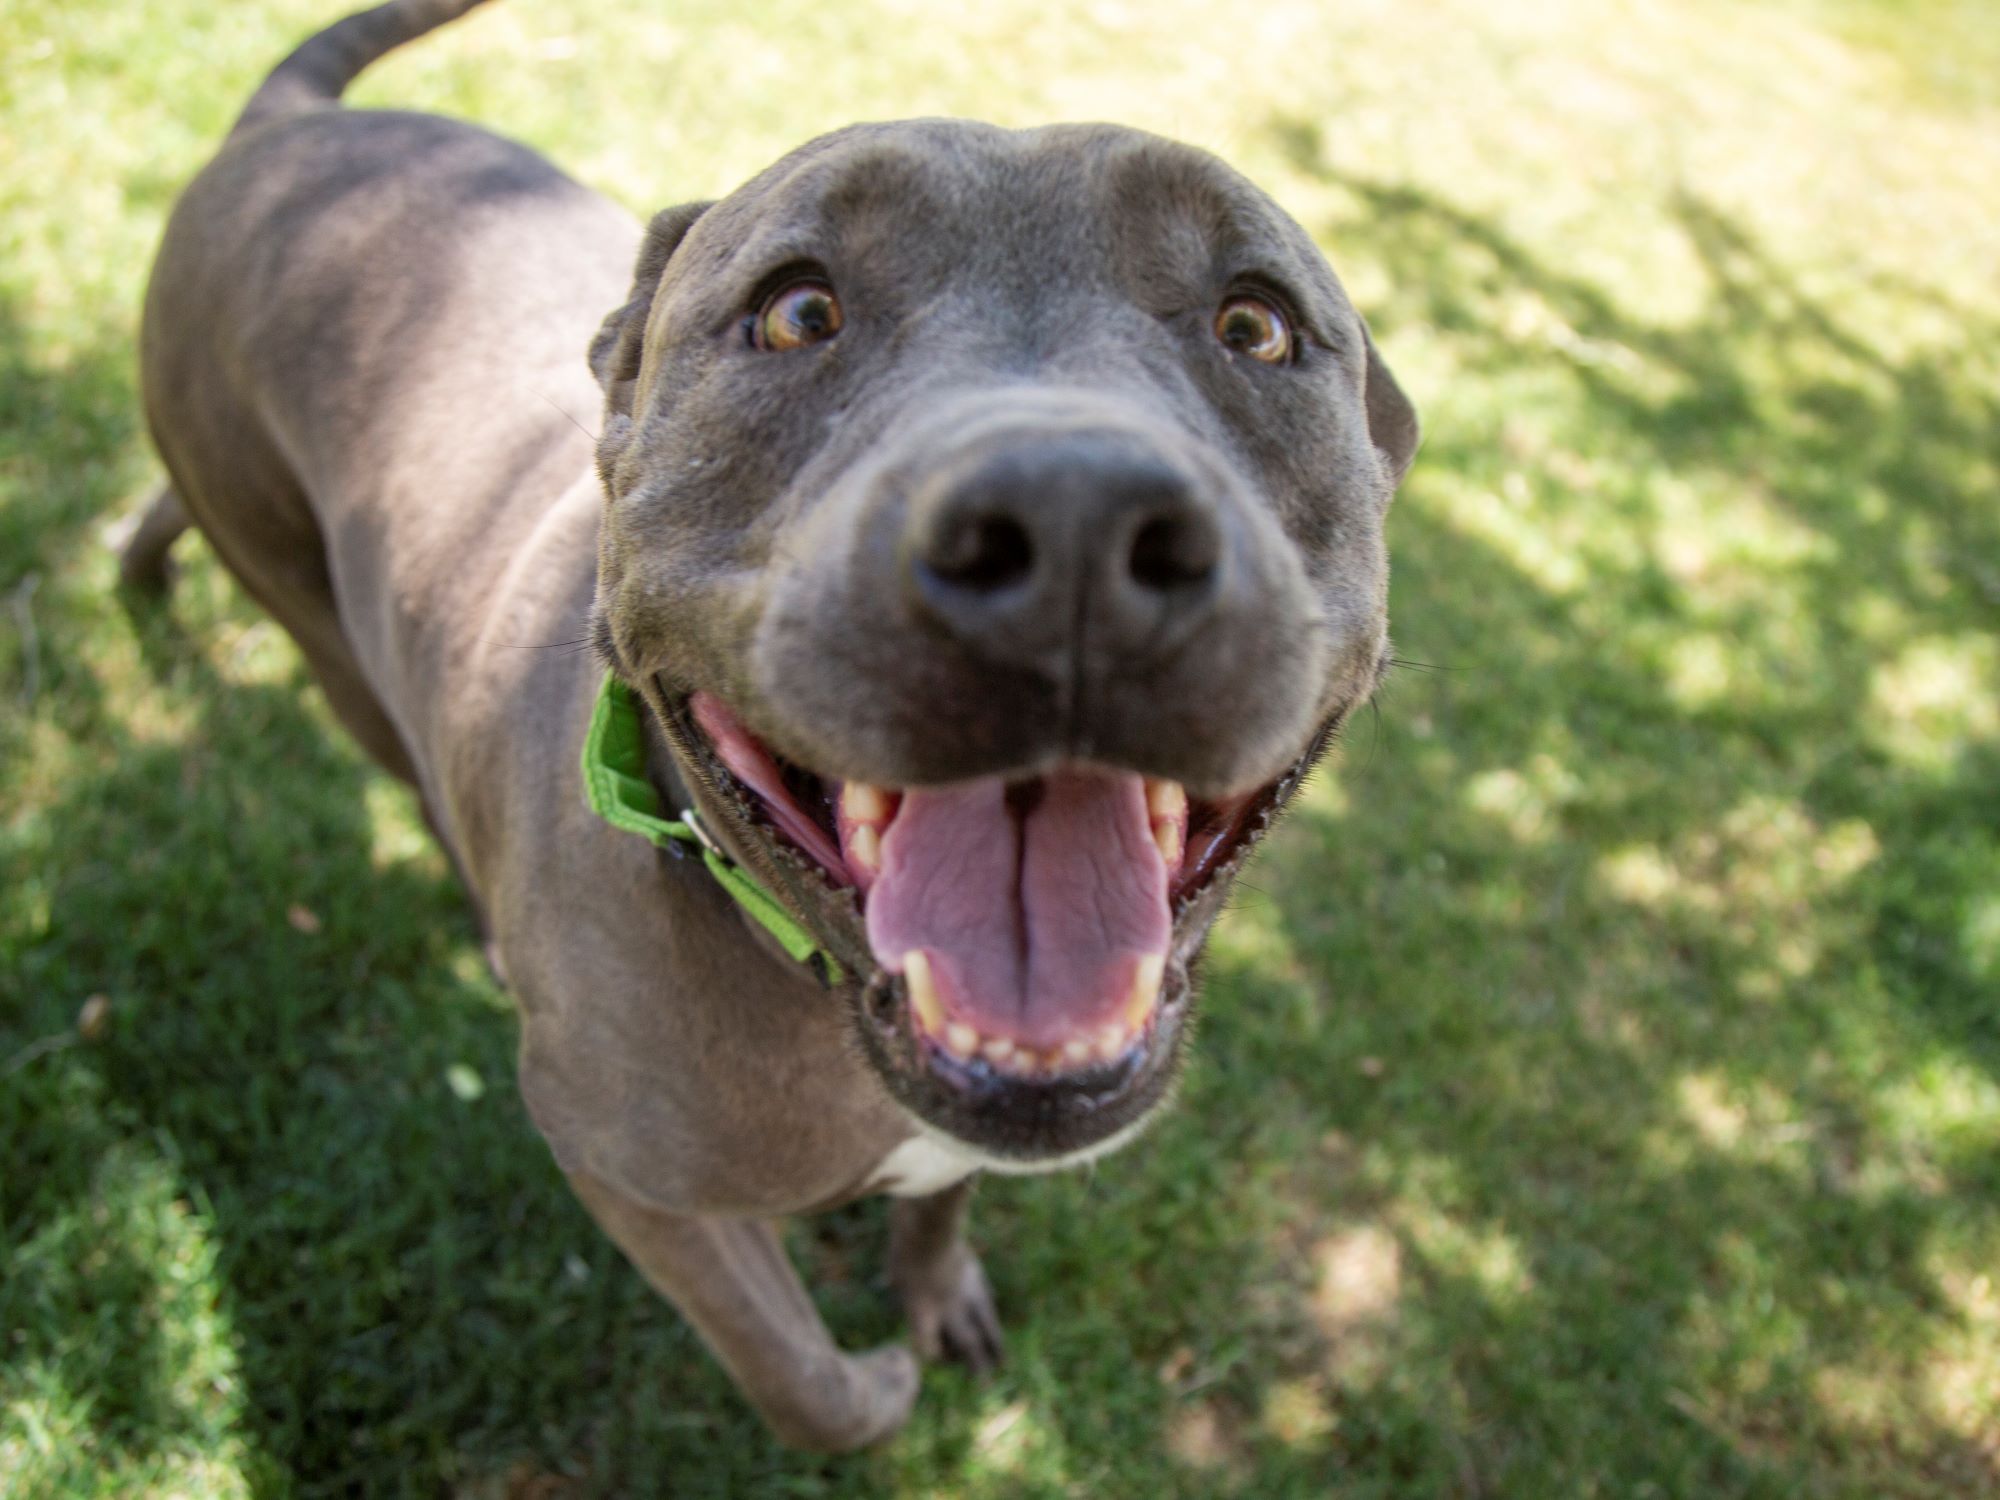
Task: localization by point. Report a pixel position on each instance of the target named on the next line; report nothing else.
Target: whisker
(569, 419)
(577, 644)
(1241, 892)
(1421, 666)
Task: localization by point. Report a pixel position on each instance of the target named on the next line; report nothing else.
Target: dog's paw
(860, 1400)
(951, 1313)
(886, 1382)
(865, 1403)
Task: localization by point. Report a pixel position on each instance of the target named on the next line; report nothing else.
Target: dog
(983, 538)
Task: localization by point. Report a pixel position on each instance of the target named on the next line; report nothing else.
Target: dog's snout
(1051, 546)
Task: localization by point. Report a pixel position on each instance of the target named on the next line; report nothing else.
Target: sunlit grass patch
(122, 1370)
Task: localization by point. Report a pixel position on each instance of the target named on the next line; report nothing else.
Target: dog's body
(398, 474)
(363, 366)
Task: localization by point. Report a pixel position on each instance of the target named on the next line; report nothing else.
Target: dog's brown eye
(806, 312)
(1252, 326)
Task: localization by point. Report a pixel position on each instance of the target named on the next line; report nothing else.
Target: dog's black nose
(1050, 548)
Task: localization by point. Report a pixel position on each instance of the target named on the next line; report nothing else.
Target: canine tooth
(1111, 1043)
(1166, 799)
(960, 1039)
(1076, 1052)
(864, 850)
(1145, 990)
(999, 1050)
(862, 803)
(923, 990)
(1167, 834)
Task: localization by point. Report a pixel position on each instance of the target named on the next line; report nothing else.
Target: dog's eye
(1252, 326)
(806, 312)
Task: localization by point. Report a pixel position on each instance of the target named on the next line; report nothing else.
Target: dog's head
(994, 527)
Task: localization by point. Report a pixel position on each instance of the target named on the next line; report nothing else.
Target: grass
(1600, 1091)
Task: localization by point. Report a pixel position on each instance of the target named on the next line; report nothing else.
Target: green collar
(614, 779)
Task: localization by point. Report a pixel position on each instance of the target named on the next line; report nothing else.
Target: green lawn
(1600, 1090)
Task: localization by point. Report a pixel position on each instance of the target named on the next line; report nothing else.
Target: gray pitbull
(983, 539)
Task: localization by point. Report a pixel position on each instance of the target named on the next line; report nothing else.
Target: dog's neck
(664, 776)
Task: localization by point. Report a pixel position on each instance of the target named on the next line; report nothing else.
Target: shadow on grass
(289, 1213)
(1617, 1019)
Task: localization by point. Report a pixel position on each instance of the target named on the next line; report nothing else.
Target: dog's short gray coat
(364, 366)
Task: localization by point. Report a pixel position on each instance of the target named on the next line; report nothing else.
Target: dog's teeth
(862, 803)
(1167, 806)
(1106, 1044)
(918, 981)
(1166, 799)
(1145, 990)
(864, 850)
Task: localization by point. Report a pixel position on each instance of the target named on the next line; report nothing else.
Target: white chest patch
(923, 1165)
(928, 1163)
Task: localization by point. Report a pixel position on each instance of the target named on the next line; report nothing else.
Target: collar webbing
(614, 780)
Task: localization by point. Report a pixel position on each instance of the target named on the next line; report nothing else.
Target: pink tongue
(1034, 925)
(752, 765)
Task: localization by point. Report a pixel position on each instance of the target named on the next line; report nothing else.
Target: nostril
(984, 553)
(1170, 551)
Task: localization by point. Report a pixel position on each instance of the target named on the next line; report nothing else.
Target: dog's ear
(1392, 421)
(621, 338)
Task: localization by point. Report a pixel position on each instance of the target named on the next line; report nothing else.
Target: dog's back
(362, 361)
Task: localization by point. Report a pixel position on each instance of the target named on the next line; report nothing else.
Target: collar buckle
(691, 820)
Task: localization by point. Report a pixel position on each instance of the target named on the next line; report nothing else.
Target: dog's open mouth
(1031, 920)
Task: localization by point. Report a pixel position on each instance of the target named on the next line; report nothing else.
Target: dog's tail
(322, 66)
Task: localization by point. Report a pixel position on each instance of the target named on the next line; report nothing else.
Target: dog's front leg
(937, 1274)
(732, 1280)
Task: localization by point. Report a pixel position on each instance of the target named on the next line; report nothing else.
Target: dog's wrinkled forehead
(1039, 221)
